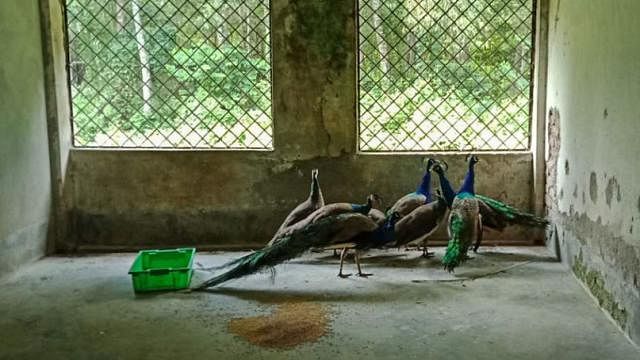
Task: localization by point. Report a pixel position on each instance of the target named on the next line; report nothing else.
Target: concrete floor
(84, 308)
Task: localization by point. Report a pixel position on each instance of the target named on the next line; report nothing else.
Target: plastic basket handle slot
(159, 271)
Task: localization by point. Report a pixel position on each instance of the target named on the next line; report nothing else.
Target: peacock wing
(406, 204)
(420, 223)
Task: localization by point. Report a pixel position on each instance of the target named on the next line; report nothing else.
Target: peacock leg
(360, 273)
(425, 250)
(478, 235)
(342, 255)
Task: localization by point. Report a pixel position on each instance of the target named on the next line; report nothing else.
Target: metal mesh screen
(170, 73)
(445, 74)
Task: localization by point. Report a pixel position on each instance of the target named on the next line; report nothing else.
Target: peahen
(311, 204)
(326, 231)
(421, 196)
(495, 214)
(465, 224)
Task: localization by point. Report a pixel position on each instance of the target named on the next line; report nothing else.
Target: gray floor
(84, 308)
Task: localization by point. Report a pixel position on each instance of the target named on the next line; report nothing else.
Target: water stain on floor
(291, 324)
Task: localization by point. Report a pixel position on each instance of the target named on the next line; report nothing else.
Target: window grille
(445, 75)
(170, 73)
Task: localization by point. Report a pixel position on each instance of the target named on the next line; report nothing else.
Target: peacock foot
(427, 254)
(364, 275)
(343, 276)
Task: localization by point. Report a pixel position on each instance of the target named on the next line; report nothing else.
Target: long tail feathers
(288, 247)
(513, 215)
(453, 255)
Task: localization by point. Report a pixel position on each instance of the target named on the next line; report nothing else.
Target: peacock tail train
(287, 247)
(513, 215)
(453, 254)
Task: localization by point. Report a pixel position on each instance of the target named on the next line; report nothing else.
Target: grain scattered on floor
(291, 324)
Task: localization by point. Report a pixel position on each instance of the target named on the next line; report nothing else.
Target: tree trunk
(120, 15)
(145, 68)
(246, 26)
(221, 32)
(378, 29)
(412, 41)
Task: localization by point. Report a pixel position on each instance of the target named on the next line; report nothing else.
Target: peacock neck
(425, 186)
(467, 185)
(386, 232)
(316, 193)
(447, 189)
(361, 208)
(469, 179)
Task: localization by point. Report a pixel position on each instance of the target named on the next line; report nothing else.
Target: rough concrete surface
(84, 307)
(133, 199)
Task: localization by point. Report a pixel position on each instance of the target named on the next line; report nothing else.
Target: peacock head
(472, 159)
(430, 162)
(441, 167)
(375, 201)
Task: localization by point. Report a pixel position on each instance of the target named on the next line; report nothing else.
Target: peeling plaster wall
(25, 189)
(593, 89)
(220, 199)
(58, 110)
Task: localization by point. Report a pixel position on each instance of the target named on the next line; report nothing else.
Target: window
(445, 74)
(170, 73)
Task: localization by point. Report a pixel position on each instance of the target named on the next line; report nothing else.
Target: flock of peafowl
(360, 227)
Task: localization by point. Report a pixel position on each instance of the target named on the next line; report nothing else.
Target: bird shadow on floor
(514, 257)
(382, 293)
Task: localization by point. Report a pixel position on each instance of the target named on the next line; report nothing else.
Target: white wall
(25, 189)
(594, 85)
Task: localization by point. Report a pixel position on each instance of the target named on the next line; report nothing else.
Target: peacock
(465, 224)
(329, 210)
(421, 223)
(380, 238)
(311, 204)
(333, 229)
(375, 213)
(421, 196)
(374, 204)
(494, 214)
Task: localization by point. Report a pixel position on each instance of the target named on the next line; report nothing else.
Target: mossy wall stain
(612, 189)
(595, 282)
(593, 187)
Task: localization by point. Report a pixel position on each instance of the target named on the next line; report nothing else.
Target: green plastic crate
(155, 270)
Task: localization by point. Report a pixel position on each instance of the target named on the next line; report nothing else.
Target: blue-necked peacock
(418, 225)
(464, 220)
(494, 214)
(421, 196)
